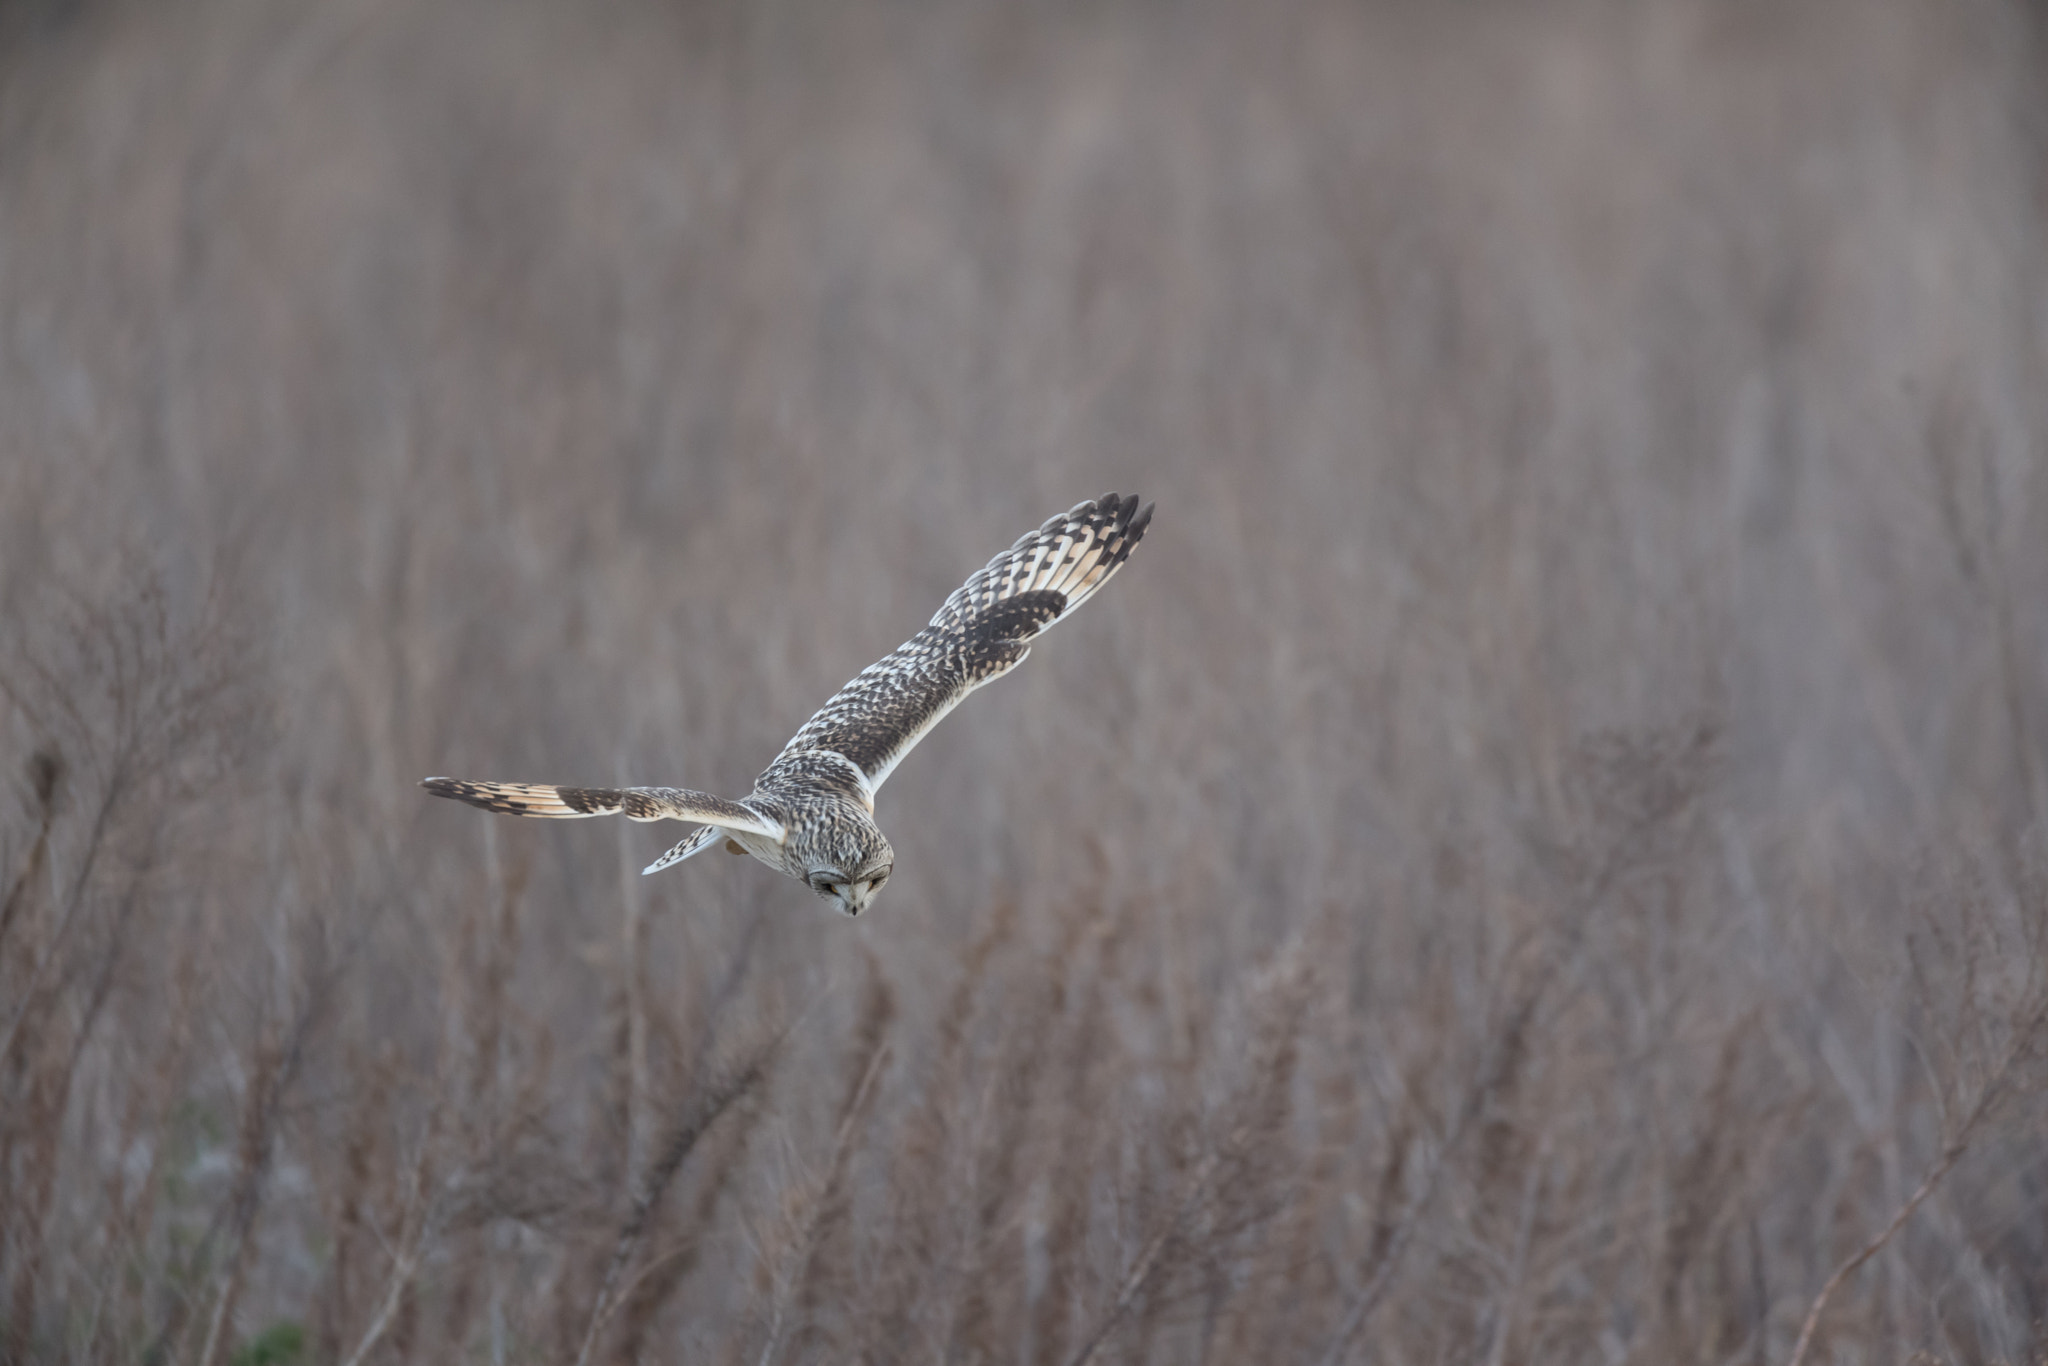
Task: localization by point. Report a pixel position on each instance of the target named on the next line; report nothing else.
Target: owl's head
(855, 879)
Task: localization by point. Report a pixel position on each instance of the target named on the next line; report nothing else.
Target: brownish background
(1533, 860)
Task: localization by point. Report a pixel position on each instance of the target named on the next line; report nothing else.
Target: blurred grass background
(1533, 860)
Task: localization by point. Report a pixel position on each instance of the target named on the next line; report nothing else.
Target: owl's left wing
(984, 630)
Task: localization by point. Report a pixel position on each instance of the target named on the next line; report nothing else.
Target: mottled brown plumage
(811, 813)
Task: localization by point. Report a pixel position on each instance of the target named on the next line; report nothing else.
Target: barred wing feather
(982, 631)
(637, 803)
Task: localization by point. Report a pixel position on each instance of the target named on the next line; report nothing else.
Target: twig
(1502, 1056)
(1226, 1165)
(45, 770)
(237, 1216)
(682, 1139)
(842, 1145)
(274, 1077)
(402, 1268)
(68, 917)
(1142, 1270)
(1368, 1298)
(1532, 1199)
(1950, 1154)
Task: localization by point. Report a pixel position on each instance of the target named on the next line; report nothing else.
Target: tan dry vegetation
(1538, 859)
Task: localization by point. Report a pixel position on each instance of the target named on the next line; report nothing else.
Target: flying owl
(812, 812)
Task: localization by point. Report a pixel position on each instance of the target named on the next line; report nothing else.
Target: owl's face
(855, 889)
(844, 857)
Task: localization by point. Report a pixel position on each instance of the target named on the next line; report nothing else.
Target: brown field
(1542, 856)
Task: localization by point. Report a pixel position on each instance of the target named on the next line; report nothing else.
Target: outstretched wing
(982, 632)
(639, 803)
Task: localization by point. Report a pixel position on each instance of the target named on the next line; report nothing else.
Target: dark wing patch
(1018, 618)
(528, 799)
(983, 630)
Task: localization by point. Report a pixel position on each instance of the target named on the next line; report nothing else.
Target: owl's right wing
(981, 632)
(638, 803)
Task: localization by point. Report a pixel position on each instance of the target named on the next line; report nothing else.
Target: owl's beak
(856, 899)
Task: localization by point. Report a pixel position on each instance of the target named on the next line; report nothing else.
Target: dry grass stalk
(812, 1282)
(703, 1108)
(2027, 1038)
(642, 1297)
(1222, 1194)
(45, 772)
(918, 1219)
(416, 1235)
(272, 1073)
(990, 1266)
